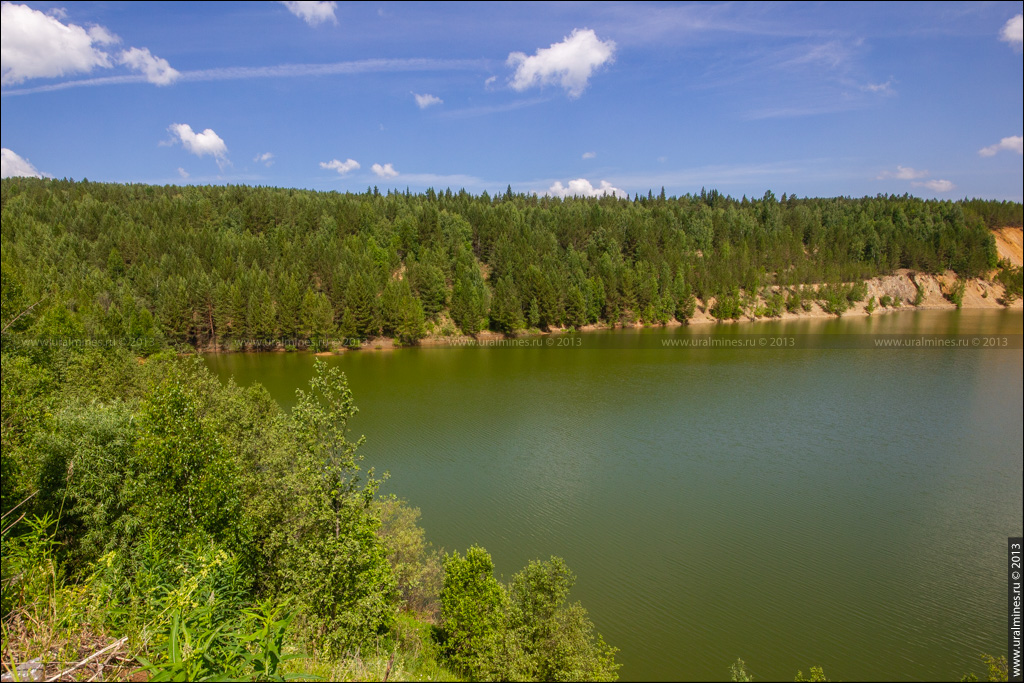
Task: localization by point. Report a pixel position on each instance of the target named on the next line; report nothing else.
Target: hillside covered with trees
(239, 266)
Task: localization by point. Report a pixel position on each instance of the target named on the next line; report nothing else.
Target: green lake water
(842, 507)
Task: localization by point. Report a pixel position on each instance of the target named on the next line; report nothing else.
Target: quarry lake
(796, 506)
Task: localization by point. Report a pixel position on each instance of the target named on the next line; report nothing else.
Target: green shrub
(956, 295)
(525, 632)
(473, 606)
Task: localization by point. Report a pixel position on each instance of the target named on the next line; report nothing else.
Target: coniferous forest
(237, 266)
(200, 531)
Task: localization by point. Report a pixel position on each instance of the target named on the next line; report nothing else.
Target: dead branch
(116, 644)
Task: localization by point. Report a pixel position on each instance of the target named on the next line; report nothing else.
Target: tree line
(227, 265)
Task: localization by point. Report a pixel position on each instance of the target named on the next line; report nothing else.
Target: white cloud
(425, 100)
(183, 173)
(313, 13)
(12, 165)
(385, 171)
(201, 144)
(882, 88)
(155, 69)
(1014, 143)
(39, 46)
(589, 155)
(936, 185)
(267, 159)
(569, 63)
(902, 173)
(1013, 31)
(342, 167)
(489, 82)
(581, 187)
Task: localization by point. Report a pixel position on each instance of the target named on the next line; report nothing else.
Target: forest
(253, 267)
(196, 531)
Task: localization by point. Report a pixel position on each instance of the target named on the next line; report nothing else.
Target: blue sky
(813, 99)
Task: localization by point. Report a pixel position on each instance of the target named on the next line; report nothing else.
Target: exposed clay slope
(1010, 244)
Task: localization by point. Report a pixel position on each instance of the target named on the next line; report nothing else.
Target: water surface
(847, 508)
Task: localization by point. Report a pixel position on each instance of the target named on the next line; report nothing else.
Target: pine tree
(575, 308)
(264, 314)
(289, 309)
(392, 303)
(410, 327)
(361, 302)
(506, 308)
(533, 314)
(317, 319)
(172, 309)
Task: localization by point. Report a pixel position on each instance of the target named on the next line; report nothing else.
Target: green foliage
(575, 308)
(322, 540)
(956, 294)
(816, 675)
(557, 641)
(506, 308)
(1012, 280)
(473, 606)
(181, 480)
(29, 566)
(775, 304)
(470, 303)
(738, 672)
(996, 669)
(794, 300)
(837, 298)
(193, 510)
(728, 306)
(416, 568)
(317, 319)
(204, 265)
(686, 302)
(523, 632)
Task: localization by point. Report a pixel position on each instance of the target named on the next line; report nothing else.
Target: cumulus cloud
(39, 46)
(12, 165)
(385, 171)
(313, 13)
(183, 173)
(155, 69)
(1013, 31)
(581, 187)
(903, 173)
(206, 143)
(1014, 143)
(589, 155)
(569, 63)
(267, 159)
(936, 185)
(425, 100)
(342, 167)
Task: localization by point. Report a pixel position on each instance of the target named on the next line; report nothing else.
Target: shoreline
(902, 286)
